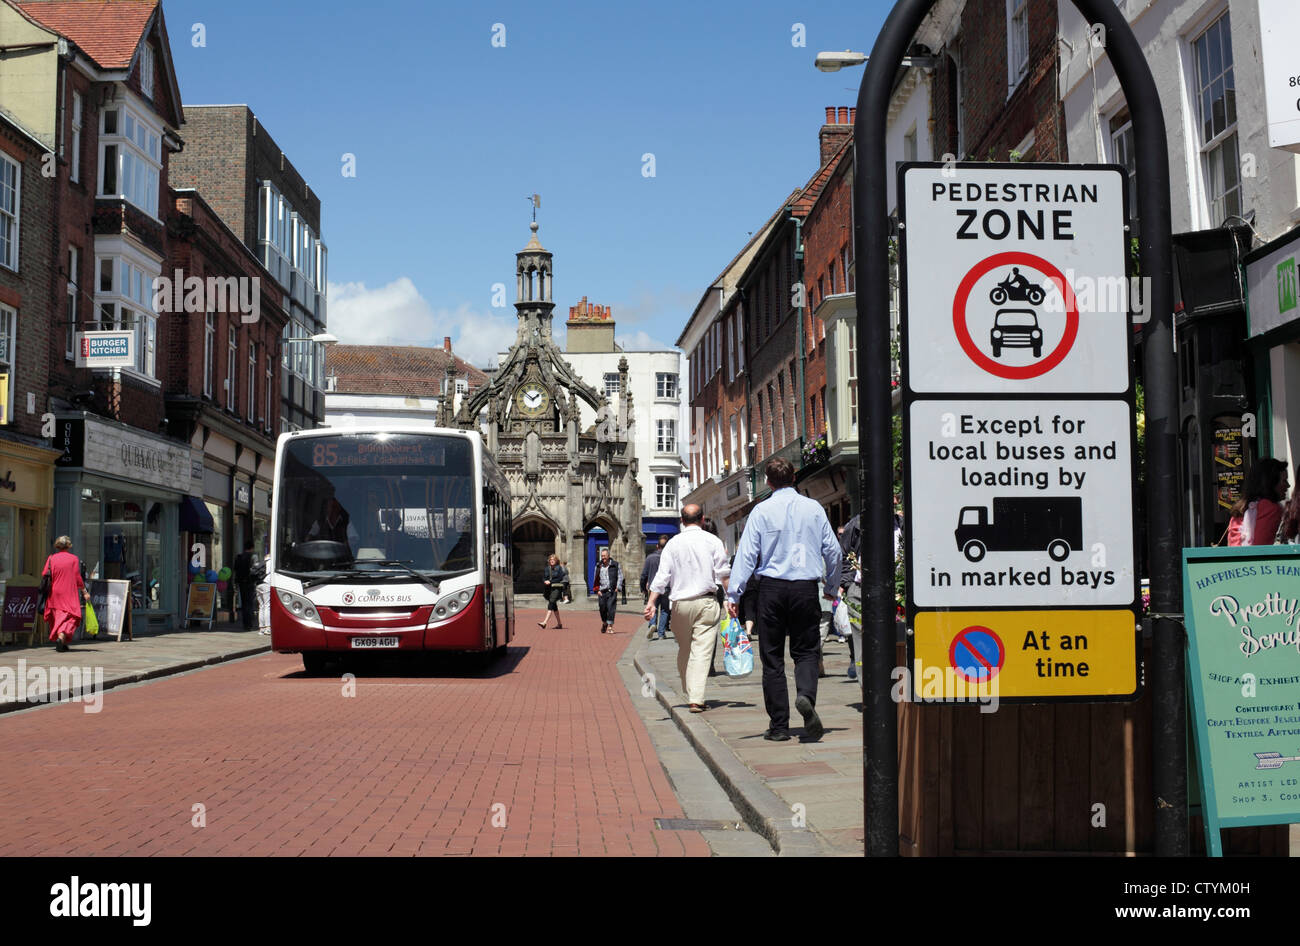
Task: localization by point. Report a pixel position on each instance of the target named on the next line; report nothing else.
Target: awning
(195, 516)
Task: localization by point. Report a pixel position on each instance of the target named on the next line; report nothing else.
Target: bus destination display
(355, 452)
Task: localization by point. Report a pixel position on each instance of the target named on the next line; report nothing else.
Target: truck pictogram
(1022, 524)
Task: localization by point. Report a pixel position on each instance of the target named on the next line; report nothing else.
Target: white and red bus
(388, 537)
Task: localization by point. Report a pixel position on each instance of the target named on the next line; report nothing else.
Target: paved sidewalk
(805, 798)
(149, 655)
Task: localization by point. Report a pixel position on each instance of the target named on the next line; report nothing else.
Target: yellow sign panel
(1025, 655)
(4, 398)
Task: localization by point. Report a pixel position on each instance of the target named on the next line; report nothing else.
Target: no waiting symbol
(976, 653)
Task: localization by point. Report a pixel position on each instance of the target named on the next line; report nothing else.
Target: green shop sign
(1242, 607)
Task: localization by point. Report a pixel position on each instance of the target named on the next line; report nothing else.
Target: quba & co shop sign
(1242, 607)
(121, 451)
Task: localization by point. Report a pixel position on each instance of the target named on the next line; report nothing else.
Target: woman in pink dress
(63, 607)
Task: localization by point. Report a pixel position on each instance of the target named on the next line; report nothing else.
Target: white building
(1229, 192)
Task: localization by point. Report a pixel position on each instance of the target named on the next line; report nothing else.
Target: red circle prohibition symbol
(986, 670)
(1013, 372)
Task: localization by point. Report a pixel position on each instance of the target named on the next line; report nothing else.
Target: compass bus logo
(349, 597)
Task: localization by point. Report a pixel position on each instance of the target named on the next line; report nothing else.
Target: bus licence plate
(367, 642)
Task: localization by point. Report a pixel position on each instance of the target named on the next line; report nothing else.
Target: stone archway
(533, 542)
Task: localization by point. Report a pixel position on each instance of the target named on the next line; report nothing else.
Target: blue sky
(451, 136)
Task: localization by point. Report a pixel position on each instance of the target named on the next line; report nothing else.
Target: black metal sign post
(871, 235)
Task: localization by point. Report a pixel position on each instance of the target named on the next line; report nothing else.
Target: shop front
(118, 493)
(26, 495)
(1273, 303)
(262, 517)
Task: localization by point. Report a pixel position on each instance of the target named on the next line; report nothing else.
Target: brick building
(996, 80)
(830, 470)
(27, 276)
(785, 352)
(393, 380)
(256, 190)
(94, 83)
(222, 376)
(718, 380)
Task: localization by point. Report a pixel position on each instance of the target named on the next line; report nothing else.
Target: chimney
(839, 125)
(446, 343)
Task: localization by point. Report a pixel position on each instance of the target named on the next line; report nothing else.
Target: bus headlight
(450, 605)
(299, 607)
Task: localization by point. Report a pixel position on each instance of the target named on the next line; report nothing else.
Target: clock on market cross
(532, 400)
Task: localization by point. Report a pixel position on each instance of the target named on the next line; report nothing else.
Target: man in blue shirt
(789, 543)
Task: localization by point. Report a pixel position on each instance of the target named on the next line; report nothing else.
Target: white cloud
(641, 341)
(396, 314)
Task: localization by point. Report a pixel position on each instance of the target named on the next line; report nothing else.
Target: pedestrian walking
(608, 583)
(694, 565)
(851, 586)
(1255, 518)
(789, 542)
(1289, 530)
(568, 597)
(67, 593)
(553, 580)
(264, 597)
(243, 568)
(659, 621)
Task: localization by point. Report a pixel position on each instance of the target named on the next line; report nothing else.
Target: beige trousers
(695, 623)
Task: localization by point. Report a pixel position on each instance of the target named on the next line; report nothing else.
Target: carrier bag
(737, 654)
(92, 622)
(840, 621)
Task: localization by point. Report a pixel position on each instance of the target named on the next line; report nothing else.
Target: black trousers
(787, 609)
(608, 601)
(248, 604)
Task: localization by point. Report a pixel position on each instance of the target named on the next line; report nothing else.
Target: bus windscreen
(376, 497)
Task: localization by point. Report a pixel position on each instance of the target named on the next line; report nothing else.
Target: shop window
(8, 542)
(216, 549)
(91, 549)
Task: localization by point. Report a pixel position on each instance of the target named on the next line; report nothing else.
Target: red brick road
(286, 764)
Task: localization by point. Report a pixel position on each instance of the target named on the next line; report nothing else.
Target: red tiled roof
(395, 369)
(107, 30)
(805, 201)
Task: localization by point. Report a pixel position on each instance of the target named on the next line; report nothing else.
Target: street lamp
(324, 338)
(834, 62)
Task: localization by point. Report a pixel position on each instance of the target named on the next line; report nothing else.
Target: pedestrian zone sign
(1017, 280)
(1019, 432)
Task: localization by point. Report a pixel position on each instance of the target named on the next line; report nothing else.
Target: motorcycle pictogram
(1017, 287)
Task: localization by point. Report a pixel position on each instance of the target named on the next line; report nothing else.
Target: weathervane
(537, 202)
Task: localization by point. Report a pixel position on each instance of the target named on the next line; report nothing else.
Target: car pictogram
(1016, 328)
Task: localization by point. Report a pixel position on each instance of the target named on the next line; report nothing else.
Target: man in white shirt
(693, 564)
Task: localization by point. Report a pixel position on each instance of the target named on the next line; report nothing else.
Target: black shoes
(776, 735)
(812, 723)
